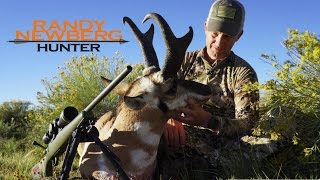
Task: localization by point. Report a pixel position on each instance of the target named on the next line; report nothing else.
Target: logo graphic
(67, 36)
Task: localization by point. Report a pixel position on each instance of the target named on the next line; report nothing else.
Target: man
(231, 110)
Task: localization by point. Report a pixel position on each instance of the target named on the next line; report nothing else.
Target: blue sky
(22, 67)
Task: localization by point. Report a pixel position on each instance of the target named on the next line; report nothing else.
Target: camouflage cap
(226, 16)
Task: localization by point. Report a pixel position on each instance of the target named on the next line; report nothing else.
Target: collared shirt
(234, 110)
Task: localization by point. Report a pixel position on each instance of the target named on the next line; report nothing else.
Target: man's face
(219, 44)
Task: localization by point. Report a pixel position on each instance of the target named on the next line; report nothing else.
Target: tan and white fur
(147, 104)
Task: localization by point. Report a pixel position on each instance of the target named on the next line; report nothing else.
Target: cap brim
(229, 28)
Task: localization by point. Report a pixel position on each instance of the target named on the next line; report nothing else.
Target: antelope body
(148, 103)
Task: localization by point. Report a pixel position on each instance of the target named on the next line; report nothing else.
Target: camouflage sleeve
(187, 63)
(246, 103)
(245, 109)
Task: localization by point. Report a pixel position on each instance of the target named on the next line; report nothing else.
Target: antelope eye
(172, 91)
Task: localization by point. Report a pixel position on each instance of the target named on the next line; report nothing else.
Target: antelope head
(161, 89)
(147, 104)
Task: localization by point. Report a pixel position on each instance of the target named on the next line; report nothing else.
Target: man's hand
(174, 134)
(193, 114)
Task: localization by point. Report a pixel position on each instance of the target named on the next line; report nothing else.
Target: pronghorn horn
(145, 41)
(176, 47)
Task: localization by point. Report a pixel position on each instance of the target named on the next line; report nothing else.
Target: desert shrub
(290, 108)
(14, 119)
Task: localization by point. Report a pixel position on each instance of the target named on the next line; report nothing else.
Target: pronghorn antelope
(147, 104)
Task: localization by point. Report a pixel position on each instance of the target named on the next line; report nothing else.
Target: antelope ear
(120, 89)
(135, 103)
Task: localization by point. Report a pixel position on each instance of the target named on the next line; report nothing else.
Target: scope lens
(67, 115)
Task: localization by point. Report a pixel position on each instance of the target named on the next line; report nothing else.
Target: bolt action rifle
(67, 131)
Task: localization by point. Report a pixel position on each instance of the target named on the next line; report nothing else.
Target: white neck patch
(141, 160)
(144, 133)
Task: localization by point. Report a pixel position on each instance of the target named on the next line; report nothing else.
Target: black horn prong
(176, 47)
(145, 41)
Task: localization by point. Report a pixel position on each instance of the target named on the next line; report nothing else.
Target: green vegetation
(15, 126)
(290, 110)
(14, 119)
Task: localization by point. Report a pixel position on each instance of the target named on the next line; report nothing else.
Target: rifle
(79, 129)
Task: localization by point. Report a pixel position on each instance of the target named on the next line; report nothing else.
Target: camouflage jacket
(234, 110)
